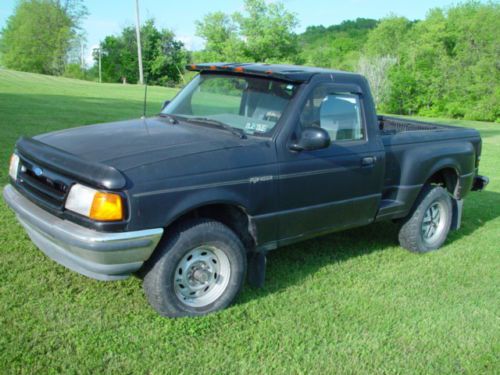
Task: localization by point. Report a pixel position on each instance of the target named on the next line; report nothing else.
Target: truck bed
(393, 125)
(399, 131)
(413, 149)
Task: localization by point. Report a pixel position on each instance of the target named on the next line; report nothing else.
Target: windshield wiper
(205, 120)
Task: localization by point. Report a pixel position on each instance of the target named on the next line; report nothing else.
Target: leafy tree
(39, 35)
(74, 70)
(388, 37)
(356, 29)
(163, 56)
(264, 32)
(449, 64)
(222, 39)
(402, 95)
(472, 42)
(217, 29)
(336, 46)
(376, 70)
(267, 28)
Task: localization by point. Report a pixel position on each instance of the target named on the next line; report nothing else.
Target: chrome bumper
(102, 256)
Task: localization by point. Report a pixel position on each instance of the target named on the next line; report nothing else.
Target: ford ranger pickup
(245, 159)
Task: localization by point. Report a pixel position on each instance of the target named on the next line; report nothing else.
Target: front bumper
(102, 256)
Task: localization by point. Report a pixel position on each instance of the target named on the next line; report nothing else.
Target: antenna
(145, 99)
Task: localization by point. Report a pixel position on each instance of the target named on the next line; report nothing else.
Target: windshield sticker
(256, 127)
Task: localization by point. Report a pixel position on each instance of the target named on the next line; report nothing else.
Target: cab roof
(292, 73)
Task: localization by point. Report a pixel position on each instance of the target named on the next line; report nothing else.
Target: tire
(199, 268)
(427, 226)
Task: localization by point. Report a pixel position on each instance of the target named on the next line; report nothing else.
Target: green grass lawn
(352, 302)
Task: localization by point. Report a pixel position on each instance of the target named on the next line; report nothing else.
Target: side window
(338, 113)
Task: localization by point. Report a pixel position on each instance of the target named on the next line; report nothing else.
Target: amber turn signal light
(106, 207)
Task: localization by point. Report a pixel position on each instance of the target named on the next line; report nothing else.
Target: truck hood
(136, 143)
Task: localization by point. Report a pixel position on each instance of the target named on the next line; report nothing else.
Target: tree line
(447, 64)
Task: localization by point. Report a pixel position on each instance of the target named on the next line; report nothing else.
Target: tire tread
(409, 233)
(153, 284)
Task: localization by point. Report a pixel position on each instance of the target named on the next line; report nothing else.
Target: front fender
(196, 199)
(160, 208)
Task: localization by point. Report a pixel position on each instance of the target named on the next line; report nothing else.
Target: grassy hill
(352, 302)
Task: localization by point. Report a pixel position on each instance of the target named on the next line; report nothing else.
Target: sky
(110, 16)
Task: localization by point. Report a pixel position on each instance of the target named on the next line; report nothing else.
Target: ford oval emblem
(38, 171)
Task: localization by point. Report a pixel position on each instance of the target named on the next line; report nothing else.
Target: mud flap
(457, 207)
(256, 271)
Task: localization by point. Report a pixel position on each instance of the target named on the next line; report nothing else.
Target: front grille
(40, 183)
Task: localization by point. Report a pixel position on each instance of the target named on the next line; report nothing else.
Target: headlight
(94, 204)
(14, 166)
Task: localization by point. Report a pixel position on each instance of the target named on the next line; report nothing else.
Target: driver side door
(336, 187)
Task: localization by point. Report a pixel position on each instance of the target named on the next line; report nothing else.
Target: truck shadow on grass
(290, 265)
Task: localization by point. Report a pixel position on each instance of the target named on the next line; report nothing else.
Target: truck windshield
(251, 104)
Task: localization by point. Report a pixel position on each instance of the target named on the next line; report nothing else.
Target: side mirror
(312, 138)
(165, 103)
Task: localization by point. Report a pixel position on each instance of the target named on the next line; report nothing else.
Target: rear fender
(417, 165)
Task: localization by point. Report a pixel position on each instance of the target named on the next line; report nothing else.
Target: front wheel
(427, 226)
(198, 270)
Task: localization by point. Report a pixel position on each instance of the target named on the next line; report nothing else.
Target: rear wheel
(428, 225)
(198, 270)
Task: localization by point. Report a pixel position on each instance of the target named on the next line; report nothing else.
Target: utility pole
(97, 51)
(82, 56)
(138, 33)
(100, 73)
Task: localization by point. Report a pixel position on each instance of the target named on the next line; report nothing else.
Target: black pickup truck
(245, 159)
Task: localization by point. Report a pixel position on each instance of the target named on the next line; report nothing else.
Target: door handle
(368, 161)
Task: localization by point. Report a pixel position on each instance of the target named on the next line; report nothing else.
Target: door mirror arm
(296, 147)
